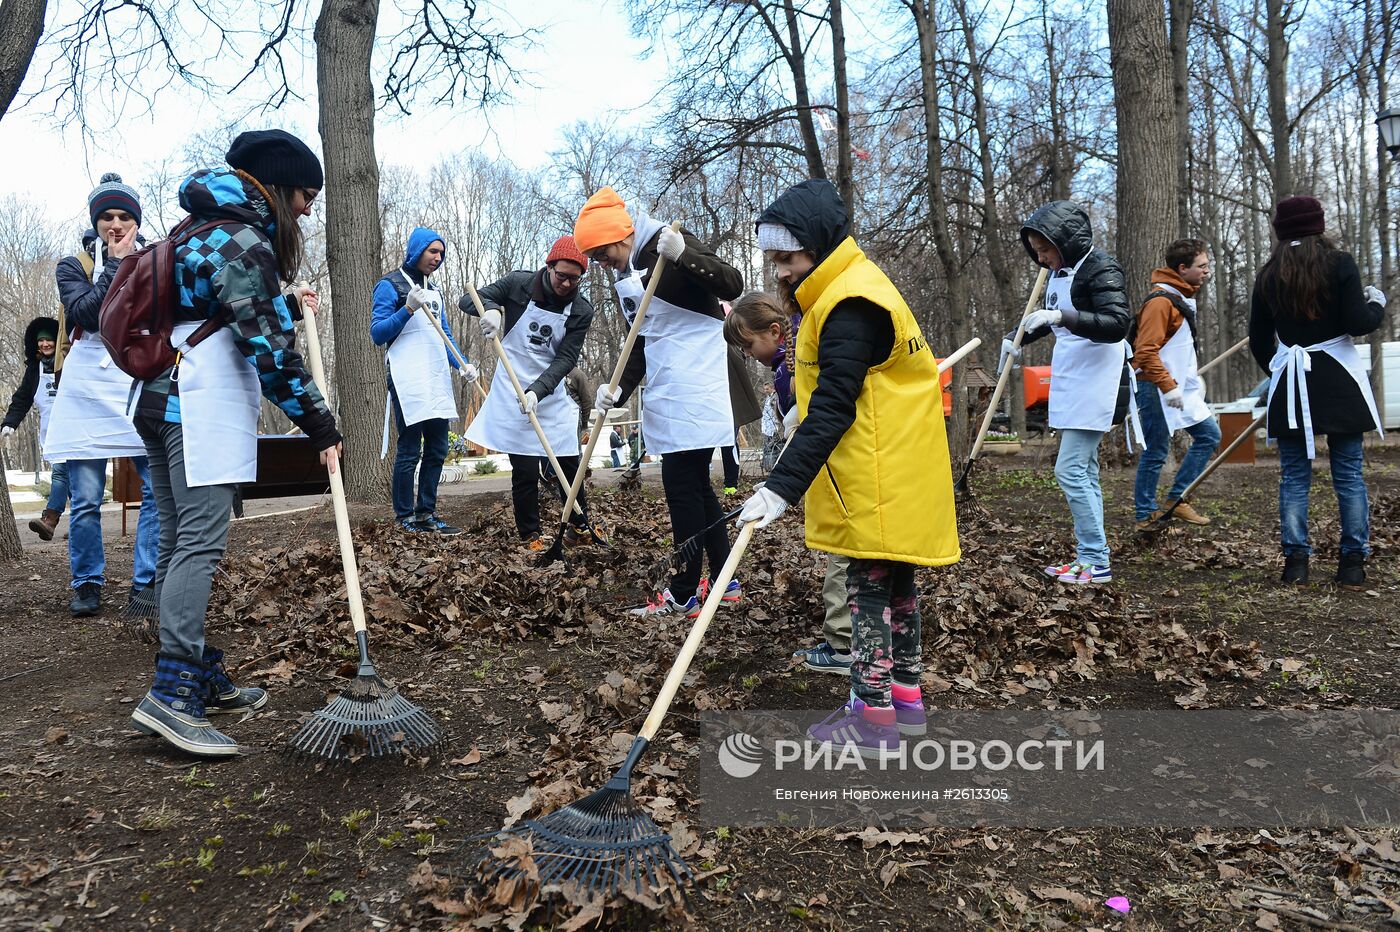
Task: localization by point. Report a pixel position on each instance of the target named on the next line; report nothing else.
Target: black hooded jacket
(1100, 311)
(858, 334)
(23, 398)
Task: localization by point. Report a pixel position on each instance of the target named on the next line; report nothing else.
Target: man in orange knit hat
(542, 320)
(681, 351)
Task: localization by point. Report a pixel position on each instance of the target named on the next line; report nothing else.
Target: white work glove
(529, 403)
(763, 506)
(490, 323)
(417, 297)
(1174, 398)
(606, 398)
(1042, 318)
(1008, 349)
(469, 372)
(790, 421)
(6, 433)
(1374, 295)
(670, 244)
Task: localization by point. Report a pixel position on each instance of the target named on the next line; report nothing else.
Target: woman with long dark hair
(199, 420)
(1307, 306)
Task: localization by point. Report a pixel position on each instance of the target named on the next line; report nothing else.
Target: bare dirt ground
(541, 679)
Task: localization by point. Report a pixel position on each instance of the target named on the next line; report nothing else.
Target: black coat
(1334, 398)
(513, 294)
(23, 398)
(858, 334)
(80, 296)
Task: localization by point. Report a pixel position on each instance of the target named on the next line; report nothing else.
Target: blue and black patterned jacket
(232, 268)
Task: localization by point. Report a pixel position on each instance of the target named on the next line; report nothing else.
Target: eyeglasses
(308, 194)
(565, 278)
(598, 255)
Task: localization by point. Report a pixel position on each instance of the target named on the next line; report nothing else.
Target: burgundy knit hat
(1299, 216)
(565, 248)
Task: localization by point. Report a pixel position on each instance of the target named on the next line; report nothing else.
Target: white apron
(219, 401)
(417, 361)
(530, 345)
(89, 419)
(687, 406)
(1290, 365)
(1084, 375)
(1178, 357)
(43, 400)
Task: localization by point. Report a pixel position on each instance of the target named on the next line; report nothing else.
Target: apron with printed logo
(43, 400)
(219, 401)
(417, 361)
(531, 346)
(1290, 366)
(1084, 375)
(687, 388)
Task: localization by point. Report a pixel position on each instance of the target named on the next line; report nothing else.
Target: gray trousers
(193, 534)
(837, 624)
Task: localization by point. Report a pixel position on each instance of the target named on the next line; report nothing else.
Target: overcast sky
(588, 65)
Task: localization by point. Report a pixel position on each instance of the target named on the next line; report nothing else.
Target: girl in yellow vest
(869, 455)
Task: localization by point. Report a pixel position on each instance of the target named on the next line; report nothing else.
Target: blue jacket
(390, 312)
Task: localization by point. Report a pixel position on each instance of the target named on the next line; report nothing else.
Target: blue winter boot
(174, 709)
(224, 697)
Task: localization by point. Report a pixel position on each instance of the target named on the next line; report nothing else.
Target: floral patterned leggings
(885, 628)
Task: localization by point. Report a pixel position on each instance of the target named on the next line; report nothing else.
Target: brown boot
(1148, 523)
(1185, 512)
(45, 524)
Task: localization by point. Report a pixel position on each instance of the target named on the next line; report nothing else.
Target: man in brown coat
(1170, 395)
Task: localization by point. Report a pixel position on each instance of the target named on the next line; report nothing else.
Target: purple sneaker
(854, 723)
(911, 717)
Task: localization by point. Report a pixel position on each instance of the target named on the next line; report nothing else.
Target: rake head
(368, 719)
(141, 616)
(604, 843)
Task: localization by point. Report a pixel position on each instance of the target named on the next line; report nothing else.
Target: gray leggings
(193, 533)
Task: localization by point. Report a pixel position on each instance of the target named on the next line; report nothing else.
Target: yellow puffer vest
(886, 492)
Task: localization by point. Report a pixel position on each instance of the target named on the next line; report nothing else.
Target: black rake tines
(690, 548)
(368, 719)
(604, 843)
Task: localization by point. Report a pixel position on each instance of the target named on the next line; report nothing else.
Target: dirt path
(541, 678)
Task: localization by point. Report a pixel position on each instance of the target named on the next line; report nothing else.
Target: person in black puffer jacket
(1306, 307)
(38, 388)
(1090, 382)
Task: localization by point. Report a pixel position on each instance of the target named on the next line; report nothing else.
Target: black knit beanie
(276, 157)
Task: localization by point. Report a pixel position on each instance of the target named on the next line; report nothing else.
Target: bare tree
(20, 28)
(1147, 151)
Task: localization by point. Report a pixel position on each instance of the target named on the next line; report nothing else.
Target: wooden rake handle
(681, 666)
(342, 513)
(1005, 376)
(1247, 434)
(632, 332)
(1223, 356)
(520, 396)
(452, 347)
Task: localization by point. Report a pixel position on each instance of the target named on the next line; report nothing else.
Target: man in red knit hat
(542, 320)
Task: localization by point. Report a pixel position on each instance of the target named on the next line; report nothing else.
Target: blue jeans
(1295, 481)
(1077, 471)
(426, 440)
(58, 489)
(1205, 437)
(87, 480)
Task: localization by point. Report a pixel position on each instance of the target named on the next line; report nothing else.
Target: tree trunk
(11, 549)
(845, 172)
(1277, 85)
(1387, 49)
(1147, 178)
(955, 276)
(1181, 12)
(344, 42)
(20, 29)
(797, 60)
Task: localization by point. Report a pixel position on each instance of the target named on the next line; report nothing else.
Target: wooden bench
(288, 465)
